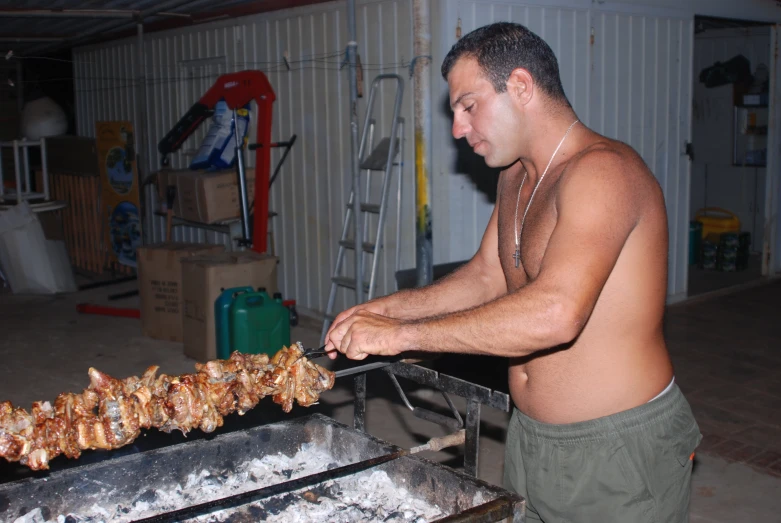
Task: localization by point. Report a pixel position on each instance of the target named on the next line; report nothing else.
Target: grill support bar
(359, 406)
(472, 441)
(475, 395)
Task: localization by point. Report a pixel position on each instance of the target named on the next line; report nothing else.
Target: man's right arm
(478, 281)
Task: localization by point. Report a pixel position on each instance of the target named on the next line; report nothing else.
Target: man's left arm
(597, 210)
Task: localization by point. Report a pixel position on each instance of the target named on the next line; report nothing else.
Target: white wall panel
(312, 101)
(641, 94)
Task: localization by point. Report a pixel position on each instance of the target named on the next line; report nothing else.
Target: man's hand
(363, 333)
(376, 306)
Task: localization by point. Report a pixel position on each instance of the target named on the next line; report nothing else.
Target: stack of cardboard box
(179, 283)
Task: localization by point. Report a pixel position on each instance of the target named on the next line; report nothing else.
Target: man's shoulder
(608, 167)
(609, 160)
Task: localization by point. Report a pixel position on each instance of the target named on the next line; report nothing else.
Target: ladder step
(368, 207)
(367, 246)
(348, 283)
(376, 160)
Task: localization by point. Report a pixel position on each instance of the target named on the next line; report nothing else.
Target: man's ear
(520, 85)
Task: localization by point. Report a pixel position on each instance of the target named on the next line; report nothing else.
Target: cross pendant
(517, 257)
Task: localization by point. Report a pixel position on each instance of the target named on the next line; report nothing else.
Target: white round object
(43, 117)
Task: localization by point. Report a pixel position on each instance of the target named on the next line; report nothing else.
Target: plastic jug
(259, 324)
(222, 319)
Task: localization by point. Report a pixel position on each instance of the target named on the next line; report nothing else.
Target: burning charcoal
(311, 496)
(277, 504)
(257, 513)
(148, 496)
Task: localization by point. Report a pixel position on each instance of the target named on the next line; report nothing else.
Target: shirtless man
(569, 283)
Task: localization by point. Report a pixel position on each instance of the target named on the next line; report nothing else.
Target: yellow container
(716, 220)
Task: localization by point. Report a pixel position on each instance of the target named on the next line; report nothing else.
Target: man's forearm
(513, 325)
(470, 285)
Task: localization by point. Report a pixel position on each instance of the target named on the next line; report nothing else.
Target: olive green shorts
(630, 467)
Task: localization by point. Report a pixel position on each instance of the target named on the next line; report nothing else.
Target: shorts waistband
(662, 408)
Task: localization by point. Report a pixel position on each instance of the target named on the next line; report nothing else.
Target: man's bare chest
(522, 242)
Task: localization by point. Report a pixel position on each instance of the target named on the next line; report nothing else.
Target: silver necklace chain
(518, 200)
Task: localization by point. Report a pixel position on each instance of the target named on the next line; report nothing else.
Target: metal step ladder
(385, 156)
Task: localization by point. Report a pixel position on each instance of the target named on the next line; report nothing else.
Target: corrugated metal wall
(311, 191)
(632, 82)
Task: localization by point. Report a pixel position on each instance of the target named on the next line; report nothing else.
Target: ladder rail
(386, 183)
(367, 198)
(400, 182)
(367, 138)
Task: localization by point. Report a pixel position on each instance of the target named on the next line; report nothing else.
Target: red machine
(237, 89)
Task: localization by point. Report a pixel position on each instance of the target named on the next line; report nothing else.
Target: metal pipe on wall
(422, 102)
(352, 46)
(141, 135)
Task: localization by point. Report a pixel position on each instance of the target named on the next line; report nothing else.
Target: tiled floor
(727, 357)
(703, 281)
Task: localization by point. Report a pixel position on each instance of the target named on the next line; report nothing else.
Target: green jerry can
(222, 319)
(259, 324)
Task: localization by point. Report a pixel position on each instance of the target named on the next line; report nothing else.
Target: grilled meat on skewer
(110, 413)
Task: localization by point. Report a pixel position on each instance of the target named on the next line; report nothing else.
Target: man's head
(503, 47)
(501, 78)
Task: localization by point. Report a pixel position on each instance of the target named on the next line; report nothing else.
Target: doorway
(732, 66)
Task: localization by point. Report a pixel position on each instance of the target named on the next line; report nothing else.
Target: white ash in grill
(368, 496)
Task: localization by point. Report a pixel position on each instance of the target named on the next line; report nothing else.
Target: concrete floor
(46, 348)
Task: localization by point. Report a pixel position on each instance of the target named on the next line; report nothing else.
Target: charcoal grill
(125, 480)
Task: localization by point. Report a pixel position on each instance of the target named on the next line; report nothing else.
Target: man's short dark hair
(504, 46)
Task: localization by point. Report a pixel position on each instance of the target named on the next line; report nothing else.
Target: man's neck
(543, 141)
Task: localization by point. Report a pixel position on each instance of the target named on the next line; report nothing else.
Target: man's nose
(460, 128)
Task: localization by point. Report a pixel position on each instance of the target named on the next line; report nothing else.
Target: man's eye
(469, 109)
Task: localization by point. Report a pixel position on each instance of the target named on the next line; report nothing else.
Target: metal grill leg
(359, 412)
(472, 440)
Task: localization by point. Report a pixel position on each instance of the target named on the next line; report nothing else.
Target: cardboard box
(203, 278)
(210, 197)
(159, 286)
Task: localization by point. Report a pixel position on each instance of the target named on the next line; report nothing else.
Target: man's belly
(586, 382)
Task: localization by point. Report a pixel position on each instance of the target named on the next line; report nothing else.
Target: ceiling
(40, 27)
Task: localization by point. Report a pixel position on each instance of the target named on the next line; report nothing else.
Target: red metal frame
(237, 89)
